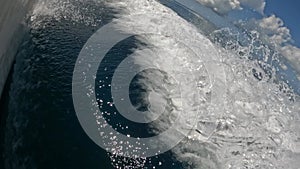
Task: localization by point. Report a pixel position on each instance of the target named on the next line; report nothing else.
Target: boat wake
(235, 109)
(248, 118)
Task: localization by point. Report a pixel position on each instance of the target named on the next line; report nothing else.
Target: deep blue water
(38, 125)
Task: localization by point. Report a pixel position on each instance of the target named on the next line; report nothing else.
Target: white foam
(73, 11)
(256, 125)
(253, 125)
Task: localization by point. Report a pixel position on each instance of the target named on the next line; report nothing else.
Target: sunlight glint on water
(253, 121)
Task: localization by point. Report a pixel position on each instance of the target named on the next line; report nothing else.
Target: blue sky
(289, 12)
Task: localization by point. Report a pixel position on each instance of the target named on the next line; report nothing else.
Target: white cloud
(278, 34)
(221, 6)
(257, 5)
(292, 53)
(224, 6)
(271, 27)
(275, 29)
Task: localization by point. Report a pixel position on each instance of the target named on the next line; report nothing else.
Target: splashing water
(255, 125)
(246, 116)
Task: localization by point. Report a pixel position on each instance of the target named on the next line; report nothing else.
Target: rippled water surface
(246, 116)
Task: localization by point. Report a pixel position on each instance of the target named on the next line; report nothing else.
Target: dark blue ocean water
(39, 128)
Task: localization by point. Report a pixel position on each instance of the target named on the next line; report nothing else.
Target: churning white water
(245, 117)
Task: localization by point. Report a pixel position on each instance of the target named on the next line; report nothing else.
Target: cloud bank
(224, 6)
(271, 27)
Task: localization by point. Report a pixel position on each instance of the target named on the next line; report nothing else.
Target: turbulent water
(246, 117)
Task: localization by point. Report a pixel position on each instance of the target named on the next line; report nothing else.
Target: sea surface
(247, 117)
